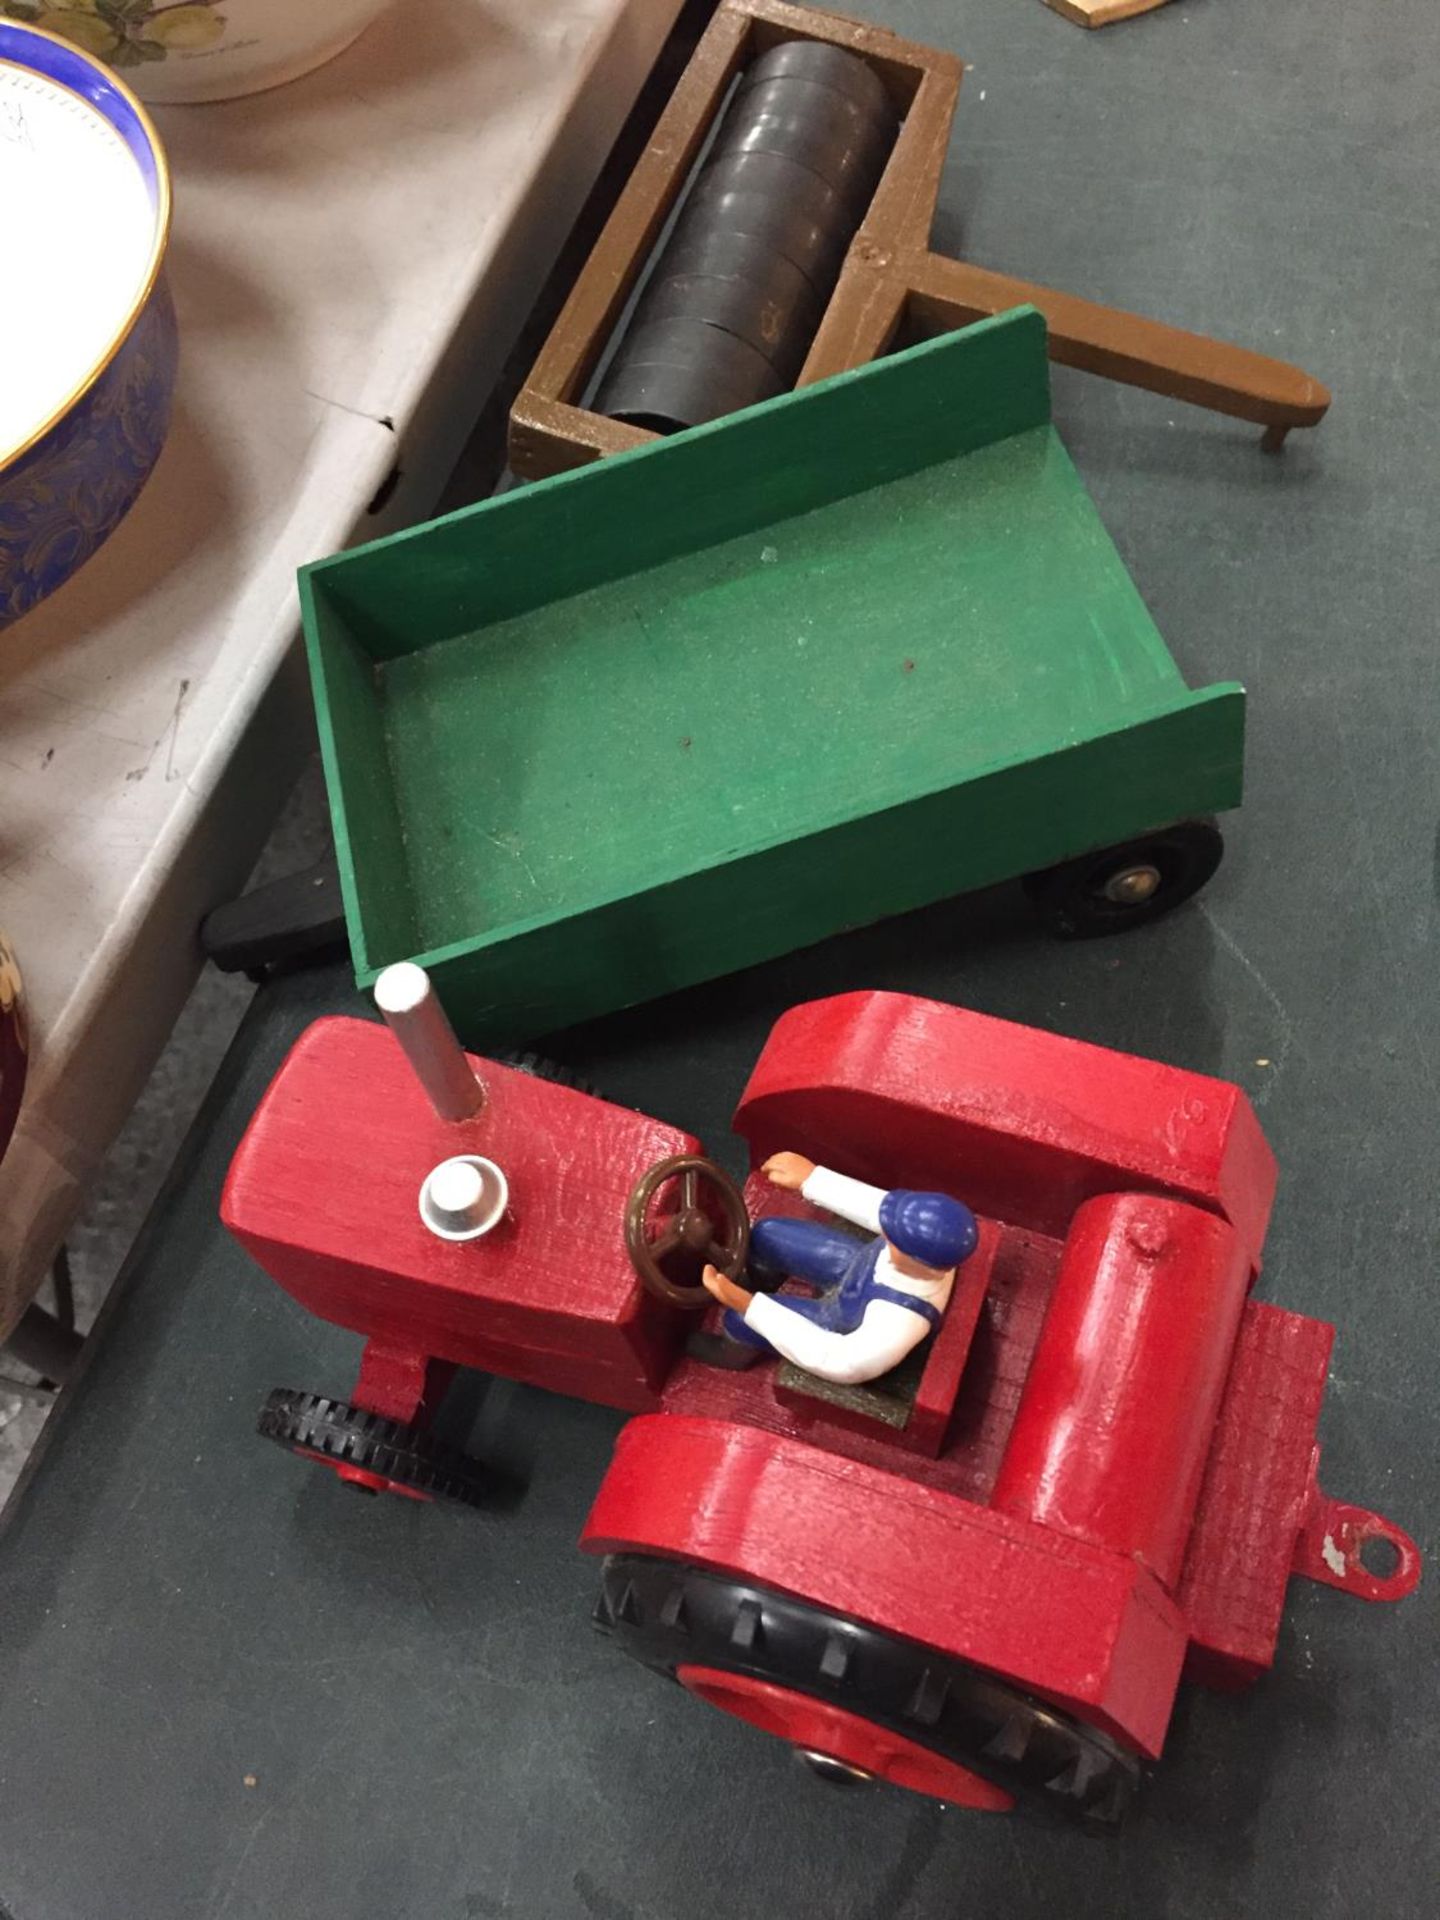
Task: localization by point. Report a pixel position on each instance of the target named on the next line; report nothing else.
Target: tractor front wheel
(369, 1452)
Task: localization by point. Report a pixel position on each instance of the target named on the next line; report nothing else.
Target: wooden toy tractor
(982, 1577)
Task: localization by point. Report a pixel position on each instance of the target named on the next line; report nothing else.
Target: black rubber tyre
(666, 1614)
(1073, 898)
(539, 1068)
(309, 1423)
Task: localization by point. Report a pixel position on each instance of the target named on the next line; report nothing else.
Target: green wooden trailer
(854, 650)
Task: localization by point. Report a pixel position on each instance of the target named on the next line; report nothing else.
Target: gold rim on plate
(162, 220)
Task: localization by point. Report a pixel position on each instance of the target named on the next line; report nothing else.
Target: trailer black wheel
(1124, 886)
(796, 1669)
(371, 1453)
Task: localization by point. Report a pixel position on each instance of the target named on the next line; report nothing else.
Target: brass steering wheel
(690, 1227)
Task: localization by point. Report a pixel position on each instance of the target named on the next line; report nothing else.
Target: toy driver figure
(877, 1300)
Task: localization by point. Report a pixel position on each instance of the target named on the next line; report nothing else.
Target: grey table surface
(430, 1726)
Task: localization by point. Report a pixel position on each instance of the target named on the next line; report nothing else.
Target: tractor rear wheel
(857, 1702)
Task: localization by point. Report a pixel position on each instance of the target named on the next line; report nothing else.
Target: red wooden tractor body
(1102, 1480)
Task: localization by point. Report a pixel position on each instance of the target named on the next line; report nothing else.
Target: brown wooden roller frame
(891, 280)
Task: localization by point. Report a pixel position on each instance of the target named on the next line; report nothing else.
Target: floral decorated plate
(192, 50)
(85, 406)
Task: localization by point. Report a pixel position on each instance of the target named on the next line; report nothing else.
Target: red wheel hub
(818, 1727)
(360, 1477)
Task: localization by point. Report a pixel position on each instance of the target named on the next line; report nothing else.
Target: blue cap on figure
(929, 1227)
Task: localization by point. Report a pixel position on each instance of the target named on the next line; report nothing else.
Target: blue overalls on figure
(905, 1271)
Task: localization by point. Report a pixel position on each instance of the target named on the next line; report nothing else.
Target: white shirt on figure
(886, 1332)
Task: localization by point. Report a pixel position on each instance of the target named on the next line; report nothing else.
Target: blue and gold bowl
(75, 473)
(12, 1044)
